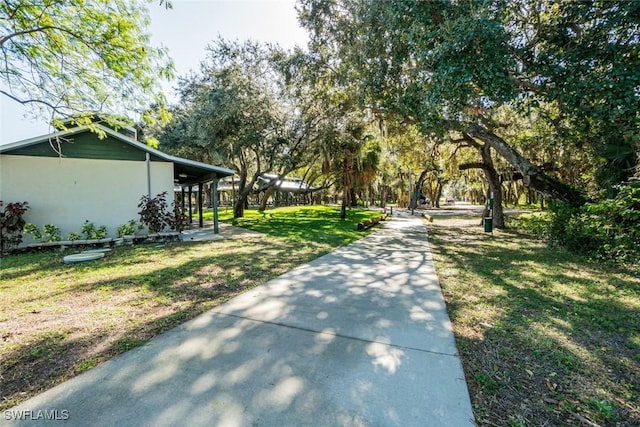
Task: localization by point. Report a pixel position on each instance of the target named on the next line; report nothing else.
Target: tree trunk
(245, 187)
(533, 176)
(353, 200)
(238, 207)
(383, 196)
(343, 206)
(265, 198)
(495, 186)
(238, 204)
(347, 182)
(438, 195)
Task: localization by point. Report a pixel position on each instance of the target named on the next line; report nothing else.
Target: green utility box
(488, 225)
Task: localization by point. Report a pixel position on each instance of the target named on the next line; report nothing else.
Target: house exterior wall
(68, 191)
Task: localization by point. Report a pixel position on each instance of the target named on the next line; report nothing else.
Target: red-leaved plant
(11, 224)
(155, 214)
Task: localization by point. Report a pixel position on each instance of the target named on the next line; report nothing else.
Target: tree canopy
(241, 112)
(542, 93)
(447, 65)
(68, 58)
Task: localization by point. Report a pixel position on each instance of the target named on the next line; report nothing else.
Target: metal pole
(148, 162)
(200, 218)
(190, 210)
(214, 200)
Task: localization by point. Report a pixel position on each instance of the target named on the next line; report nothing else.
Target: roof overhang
(188, 172)
(185, 171)
(287, 185)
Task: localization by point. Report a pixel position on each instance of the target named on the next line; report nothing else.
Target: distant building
(287, 191)
(285, 185)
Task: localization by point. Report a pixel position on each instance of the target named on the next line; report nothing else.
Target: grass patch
(318, 224)
(545, 337)
(58, 320)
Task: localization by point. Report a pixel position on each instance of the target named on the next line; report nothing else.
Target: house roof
(186, 172)
(288, 184)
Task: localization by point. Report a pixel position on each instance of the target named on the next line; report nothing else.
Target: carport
(189, 174)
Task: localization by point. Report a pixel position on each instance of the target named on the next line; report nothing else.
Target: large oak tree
(241, 110)
(445, 65)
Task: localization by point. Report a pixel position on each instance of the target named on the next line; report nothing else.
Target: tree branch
(472, 165)
(39, 30)
(532, 174)
(28, 101)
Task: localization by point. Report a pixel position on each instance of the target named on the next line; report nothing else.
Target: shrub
(536, 223)
(49, 232)
(34, 231)
(129, 228)
(52, 233)
(92, 233)
(11, 224)
(154, 213)
(181, 219)
(607, 229)
(73, 236)
(101, 232)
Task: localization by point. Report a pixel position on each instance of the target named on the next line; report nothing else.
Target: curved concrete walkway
(359, 337)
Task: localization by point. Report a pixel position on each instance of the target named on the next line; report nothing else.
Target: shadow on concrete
(358, 337)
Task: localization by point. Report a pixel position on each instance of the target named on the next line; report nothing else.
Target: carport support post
(200, 220)
(190, 210)
(214, 201)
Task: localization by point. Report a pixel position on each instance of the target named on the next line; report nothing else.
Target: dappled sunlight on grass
(80, 315)
(543, 333)
(320, 224)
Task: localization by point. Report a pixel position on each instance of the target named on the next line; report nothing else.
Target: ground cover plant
(58, 320)
(546, 337)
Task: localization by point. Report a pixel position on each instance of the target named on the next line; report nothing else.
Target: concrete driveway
(359, 337)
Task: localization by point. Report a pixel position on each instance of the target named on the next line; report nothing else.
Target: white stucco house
(78, 175)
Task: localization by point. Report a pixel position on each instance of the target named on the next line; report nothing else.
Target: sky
(186, 30)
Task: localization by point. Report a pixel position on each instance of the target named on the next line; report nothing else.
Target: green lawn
(546, 337)
(318, 224)
(58, 320)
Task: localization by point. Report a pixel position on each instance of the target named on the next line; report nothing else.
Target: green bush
(536, 223)
(33, 229)
(49, 232)
(52, 233)
(129, 228)
(607, 229)
(92, 233)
